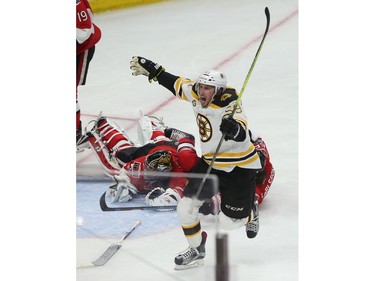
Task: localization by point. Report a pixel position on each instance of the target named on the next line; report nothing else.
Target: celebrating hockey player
(236, 164)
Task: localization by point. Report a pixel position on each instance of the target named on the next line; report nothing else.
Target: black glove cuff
(232, 130)
(154, 75)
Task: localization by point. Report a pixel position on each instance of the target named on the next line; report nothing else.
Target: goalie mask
(212, 78)
(159, 161)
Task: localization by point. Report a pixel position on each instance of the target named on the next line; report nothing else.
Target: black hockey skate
(252, 227)
(82, 143)
(191, 257)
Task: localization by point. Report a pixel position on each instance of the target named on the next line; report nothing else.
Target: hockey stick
(267, 12)
(114, 247)
(106, 208)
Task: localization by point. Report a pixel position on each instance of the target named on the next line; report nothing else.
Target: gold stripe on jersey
(231, 164)
(242, 122)
(228, 159)
(232, 154)
(178, 88)
(214, 105)
(194, 95)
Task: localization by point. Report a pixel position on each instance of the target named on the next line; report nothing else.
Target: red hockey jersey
(87, 33)
(183, 159)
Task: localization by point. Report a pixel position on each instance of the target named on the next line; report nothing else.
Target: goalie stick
(267, 12)
(111, 250)
(106, 208)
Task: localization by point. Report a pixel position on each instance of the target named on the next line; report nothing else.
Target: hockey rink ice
(188, 37)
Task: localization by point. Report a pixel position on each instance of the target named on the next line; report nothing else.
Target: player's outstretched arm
(143, 66)
(154, 72)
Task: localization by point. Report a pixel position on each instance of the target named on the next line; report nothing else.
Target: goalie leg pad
(103, 155)
(112, 136)
(150, 129)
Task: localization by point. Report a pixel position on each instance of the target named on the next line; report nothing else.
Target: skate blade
(190, 265)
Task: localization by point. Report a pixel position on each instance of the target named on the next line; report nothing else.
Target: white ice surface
(188, 37)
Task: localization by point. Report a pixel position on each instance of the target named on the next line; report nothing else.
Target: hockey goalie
(137, 168)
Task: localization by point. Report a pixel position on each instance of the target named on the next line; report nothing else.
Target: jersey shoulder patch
(228, 96)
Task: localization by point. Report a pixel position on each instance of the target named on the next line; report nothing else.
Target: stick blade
(106, 255)
(267, 12)
(105, 208)
(268, 17)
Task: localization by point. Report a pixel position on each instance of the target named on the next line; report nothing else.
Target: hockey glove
(142, 66)
(159, 197)
(122, 190)
(212, 206)
(231, 129)
(176, 135)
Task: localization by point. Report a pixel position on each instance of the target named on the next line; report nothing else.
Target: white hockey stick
(111, 250)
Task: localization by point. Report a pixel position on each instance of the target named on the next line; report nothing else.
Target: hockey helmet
(213, 78)
(159, 161)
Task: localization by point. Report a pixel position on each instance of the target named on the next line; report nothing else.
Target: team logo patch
(205, 128)
(194, 102)
(224, 97)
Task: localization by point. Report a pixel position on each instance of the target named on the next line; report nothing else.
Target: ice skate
(82, 141)
(252, 227)
(191, 257)
(157, 122)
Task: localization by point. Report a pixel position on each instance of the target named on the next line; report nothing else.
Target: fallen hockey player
(135, 168)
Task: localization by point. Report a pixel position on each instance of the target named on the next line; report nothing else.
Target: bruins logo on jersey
(205, 128)
(194, 102)
(225, 96)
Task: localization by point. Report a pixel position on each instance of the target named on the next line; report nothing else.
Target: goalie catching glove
(142, 66)
(160, 197)
(122, 190)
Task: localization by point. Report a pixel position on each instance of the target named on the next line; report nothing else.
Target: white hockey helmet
(213, 78)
